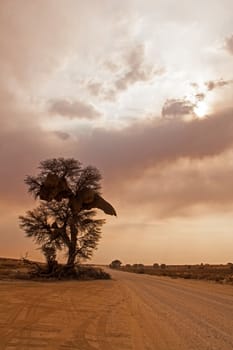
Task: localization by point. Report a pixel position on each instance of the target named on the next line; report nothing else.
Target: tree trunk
(72, 247)
(72, 256)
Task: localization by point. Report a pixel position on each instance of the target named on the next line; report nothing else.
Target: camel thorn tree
(65, 218)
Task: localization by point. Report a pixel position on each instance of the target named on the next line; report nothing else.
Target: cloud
(32, 49)
(111, 66)
(184, 188)
(156, 167)
(94, 88)
(137, 70)
(168, 168)
(75, 109)
(213, 84)
(131, 68)
(200, 96)
(229, 44)
(24, 145)
(62, 135)
(30, 42)
(127, 153)
(177, 107)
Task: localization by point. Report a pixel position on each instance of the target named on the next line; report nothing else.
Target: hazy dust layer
(130, 312)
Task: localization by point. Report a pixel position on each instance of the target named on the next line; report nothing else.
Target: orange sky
(141, 89)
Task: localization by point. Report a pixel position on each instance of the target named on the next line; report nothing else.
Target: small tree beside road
(115, 264)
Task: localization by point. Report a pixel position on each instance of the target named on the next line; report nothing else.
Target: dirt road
(130, 312)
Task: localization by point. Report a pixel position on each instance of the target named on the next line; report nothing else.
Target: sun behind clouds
(201, 109)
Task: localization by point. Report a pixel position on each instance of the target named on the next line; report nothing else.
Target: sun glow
(201, 109)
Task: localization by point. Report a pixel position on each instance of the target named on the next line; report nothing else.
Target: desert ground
(131, 311)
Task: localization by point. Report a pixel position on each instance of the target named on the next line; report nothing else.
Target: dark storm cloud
(184, 188)
(167, 167)
(146, 144)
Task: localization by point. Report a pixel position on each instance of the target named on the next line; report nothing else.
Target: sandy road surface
(130, 312)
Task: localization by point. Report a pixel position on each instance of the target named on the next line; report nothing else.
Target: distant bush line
(218, 273)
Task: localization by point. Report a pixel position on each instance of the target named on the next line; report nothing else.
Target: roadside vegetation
(24, 269)
(222, 273)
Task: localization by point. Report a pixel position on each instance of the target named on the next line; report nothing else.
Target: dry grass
(28, 270)
(217, 273)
